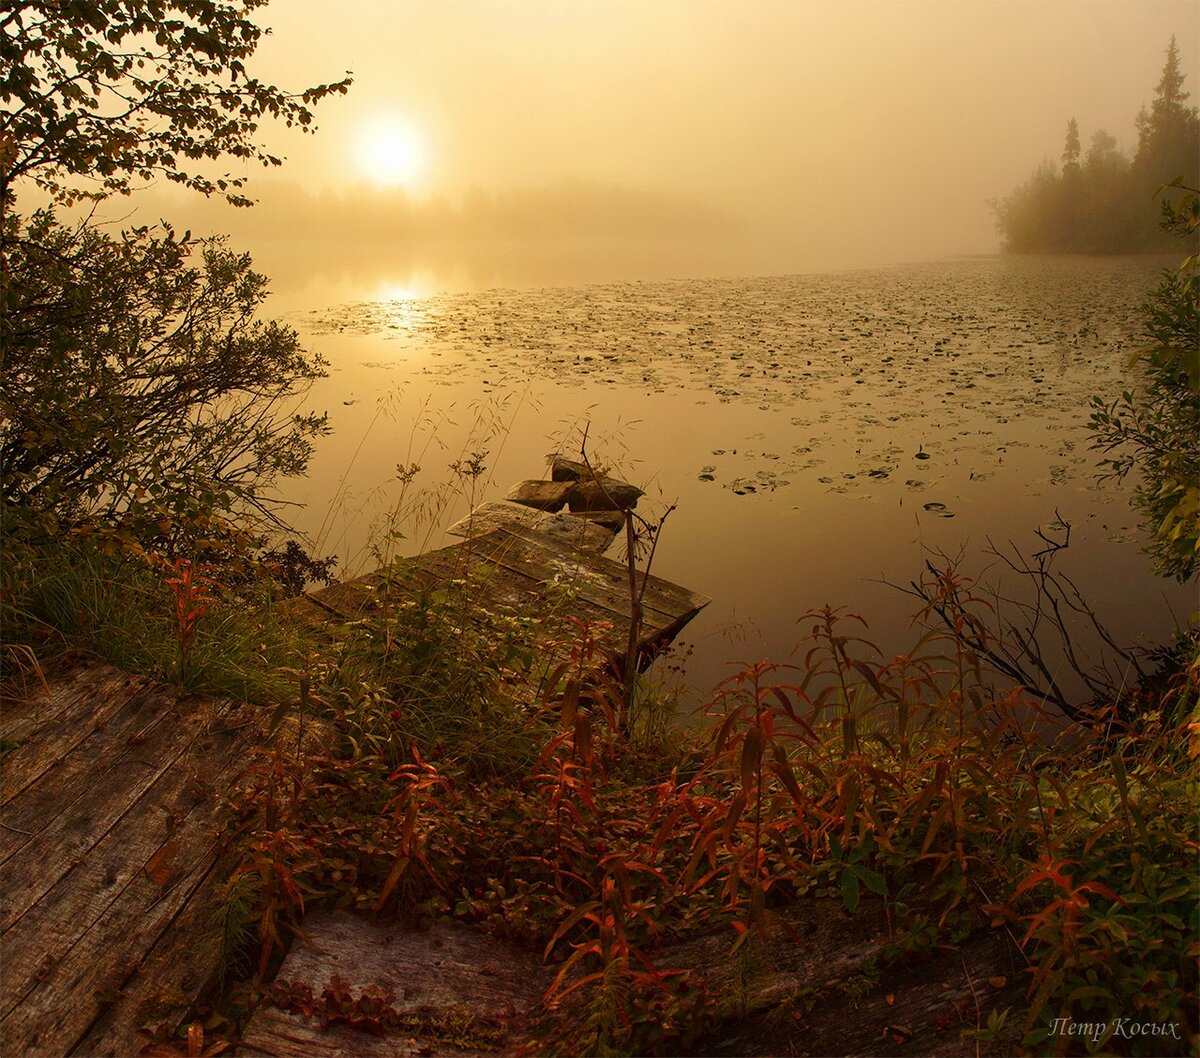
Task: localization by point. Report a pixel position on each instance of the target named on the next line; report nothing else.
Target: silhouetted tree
(142, 396)
(1168, 135)
(1070, 155)
(1098, 203)
(100, 94)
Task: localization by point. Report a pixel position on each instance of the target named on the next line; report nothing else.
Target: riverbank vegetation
(1097, 200)
(922, 785)
(434, 769)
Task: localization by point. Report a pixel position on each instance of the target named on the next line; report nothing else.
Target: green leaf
(873, 880)
(850, 889)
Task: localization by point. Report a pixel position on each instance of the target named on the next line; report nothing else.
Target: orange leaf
(158, 867)
(394, 875)
(751, 748)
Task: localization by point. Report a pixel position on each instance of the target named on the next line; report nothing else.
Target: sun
(391, 153)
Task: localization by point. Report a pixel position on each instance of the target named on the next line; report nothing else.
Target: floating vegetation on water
(939, 510)
(965, 358)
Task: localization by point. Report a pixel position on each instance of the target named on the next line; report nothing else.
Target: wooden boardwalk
(513, 569)
(110, 850)
(113, 825)
(468, 994)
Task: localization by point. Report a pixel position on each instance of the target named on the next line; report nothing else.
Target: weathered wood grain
(544, 495)
(81, 798)
(584, 534)
(159, 842)
(104, 936)
(535, 562)
(278, 1034)
(520, 570)
(75, 800)
(603, 494)
(449, 974)
(169, 977)
(812, 986)
(62, 715)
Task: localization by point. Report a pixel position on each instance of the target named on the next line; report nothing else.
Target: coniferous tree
(1099, 201)
(1169, 133)
(1068, 192)
(1070, 155)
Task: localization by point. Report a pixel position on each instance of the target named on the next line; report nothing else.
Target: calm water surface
(788, 417)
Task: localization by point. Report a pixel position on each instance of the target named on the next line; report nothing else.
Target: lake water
(820, 434)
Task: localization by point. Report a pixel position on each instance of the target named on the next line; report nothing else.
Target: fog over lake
(821, 434)
(694, 232)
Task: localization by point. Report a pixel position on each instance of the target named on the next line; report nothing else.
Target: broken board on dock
(812, 987)
(581, 533)
(113, 790)
(516, 570)
(467, 994)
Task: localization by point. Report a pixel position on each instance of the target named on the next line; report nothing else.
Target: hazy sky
(547, 141)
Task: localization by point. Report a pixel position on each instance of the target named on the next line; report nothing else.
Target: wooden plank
(817, 995)
(68, 900)
(39, 703)
(446, 974)
(88, 933)
(52, 722)
(563, 469)
(524, 563)
(278, 1034)
(662, 595)
(598, 580)
(584, 534)
(168, 979)
(349, 599)
(54, 823)
(497, 586)
(545, 495)
(603, 494)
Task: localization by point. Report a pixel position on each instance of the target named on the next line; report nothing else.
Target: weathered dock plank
(457, 976)
(523, 570)
(168, 977)
(95, 902)
(582, 533)
(544, 495)
(61, 714)
(449, 977)
(74, 802)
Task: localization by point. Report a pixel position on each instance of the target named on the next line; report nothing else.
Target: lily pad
(939, 510)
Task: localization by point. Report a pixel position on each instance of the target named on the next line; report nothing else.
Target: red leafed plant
(193, 599)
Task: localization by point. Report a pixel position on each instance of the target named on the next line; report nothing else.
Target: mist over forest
(1098, 200)
(660, 143)
(413, 644)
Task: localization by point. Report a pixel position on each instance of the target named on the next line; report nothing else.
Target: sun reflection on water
(402, 304)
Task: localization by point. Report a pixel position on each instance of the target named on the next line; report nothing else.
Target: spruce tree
(1169, 135)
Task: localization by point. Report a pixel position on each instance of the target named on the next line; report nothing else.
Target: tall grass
(120, 608)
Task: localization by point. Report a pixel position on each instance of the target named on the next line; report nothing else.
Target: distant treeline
(1100, 200)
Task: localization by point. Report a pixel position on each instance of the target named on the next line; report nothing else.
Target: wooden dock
(113, 788)
(111, 848)
(528, 555)
(513, 570)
